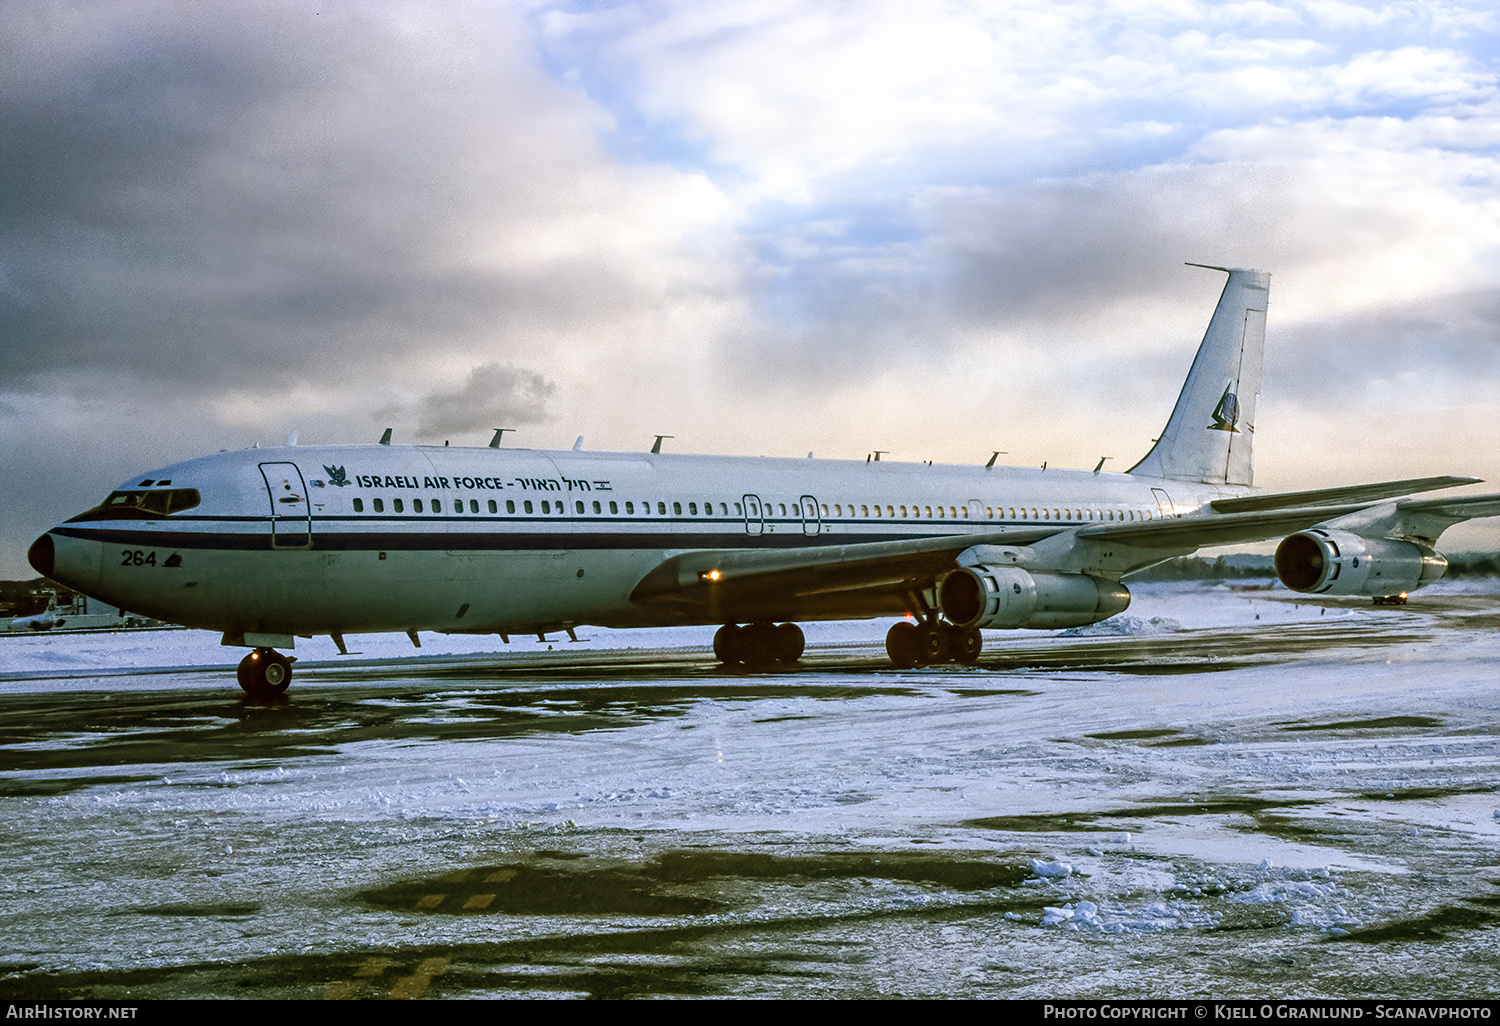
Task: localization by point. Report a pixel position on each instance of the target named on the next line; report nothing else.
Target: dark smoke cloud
(494, 396)
(195, 198)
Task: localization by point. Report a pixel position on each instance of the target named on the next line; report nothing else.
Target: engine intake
(1007, 596)
(1340, 563)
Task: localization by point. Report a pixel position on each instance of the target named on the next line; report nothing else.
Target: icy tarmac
(1225, 793)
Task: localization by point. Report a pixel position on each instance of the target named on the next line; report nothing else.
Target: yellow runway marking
(416, 984)
(479, 901)
(430, 901)
(373, 967)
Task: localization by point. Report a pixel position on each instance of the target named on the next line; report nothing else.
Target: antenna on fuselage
(656, 448)
(1100, 465)
(385, 439)
(578, 445)
(996, 455)
(291, 439)
(499, 433)
(877, 453)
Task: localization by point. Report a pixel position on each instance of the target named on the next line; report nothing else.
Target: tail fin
(1209, 436)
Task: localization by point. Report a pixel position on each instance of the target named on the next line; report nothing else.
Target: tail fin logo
(1227, 413)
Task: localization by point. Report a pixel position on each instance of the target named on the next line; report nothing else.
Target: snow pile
(1124, 624)
(1052, 870)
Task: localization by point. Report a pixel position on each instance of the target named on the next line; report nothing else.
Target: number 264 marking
(135, 557)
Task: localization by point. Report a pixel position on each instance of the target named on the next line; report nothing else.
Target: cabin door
(291, 514)
(755, 516)
(1163, 503)
(811, 523)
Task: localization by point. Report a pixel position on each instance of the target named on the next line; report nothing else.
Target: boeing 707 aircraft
(266, 545)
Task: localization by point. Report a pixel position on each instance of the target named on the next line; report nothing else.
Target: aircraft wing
(737, 576)
(740, 578)
(1338, 496)
(1423, 517)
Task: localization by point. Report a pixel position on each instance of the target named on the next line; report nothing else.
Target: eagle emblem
(336, 476)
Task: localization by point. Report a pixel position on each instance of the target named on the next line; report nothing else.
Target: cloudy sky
(763, 227)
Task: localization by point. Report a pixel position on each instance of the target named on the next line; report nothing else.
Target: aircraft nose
(42, 555)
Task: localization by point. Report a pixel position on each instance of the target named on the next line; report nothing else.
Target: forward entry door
(291, 513)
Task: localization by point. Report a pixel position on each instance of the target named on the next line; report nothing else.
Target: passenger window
(416, 505)
(739, 510)
(661, 509)
(437, 505)
(614, 508)
(510, 505)
(359, 505)
(546, 506)
(494, 508)
(527, 505)
(379, 506)
(677, 509)
(398, 507)
(597, 507)
(578, 506)
(458, 505)
(903, 511)
(629, 509)
(693, 508)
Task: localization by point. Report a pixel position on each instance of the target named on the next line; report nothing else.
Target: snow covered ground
(1223, 792)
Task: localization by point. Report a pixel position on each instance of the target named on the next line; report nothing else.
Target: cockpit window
(143, 505)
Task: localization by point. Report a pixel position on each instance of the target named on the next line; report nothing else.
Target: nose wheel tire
(264, 673)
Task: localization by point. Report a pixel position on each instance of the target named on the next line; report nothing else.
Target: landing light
(709, 575)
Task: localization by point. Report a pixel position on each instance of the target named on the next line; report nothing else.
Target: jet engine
(1340, 563)
(1007, 596)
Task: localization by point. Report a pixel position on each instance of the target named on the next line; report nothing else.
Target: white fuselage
(345, 539)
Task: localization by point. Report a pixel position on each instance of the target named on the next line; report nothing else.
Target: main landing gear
(265, 673)
(759, 646)
(932, 642)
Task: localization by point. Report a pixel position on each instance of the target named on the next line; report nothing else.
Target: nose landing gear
(264, 673)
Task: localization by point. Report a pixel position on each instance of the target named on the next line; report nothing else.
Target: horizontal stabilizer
(1338, 496)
